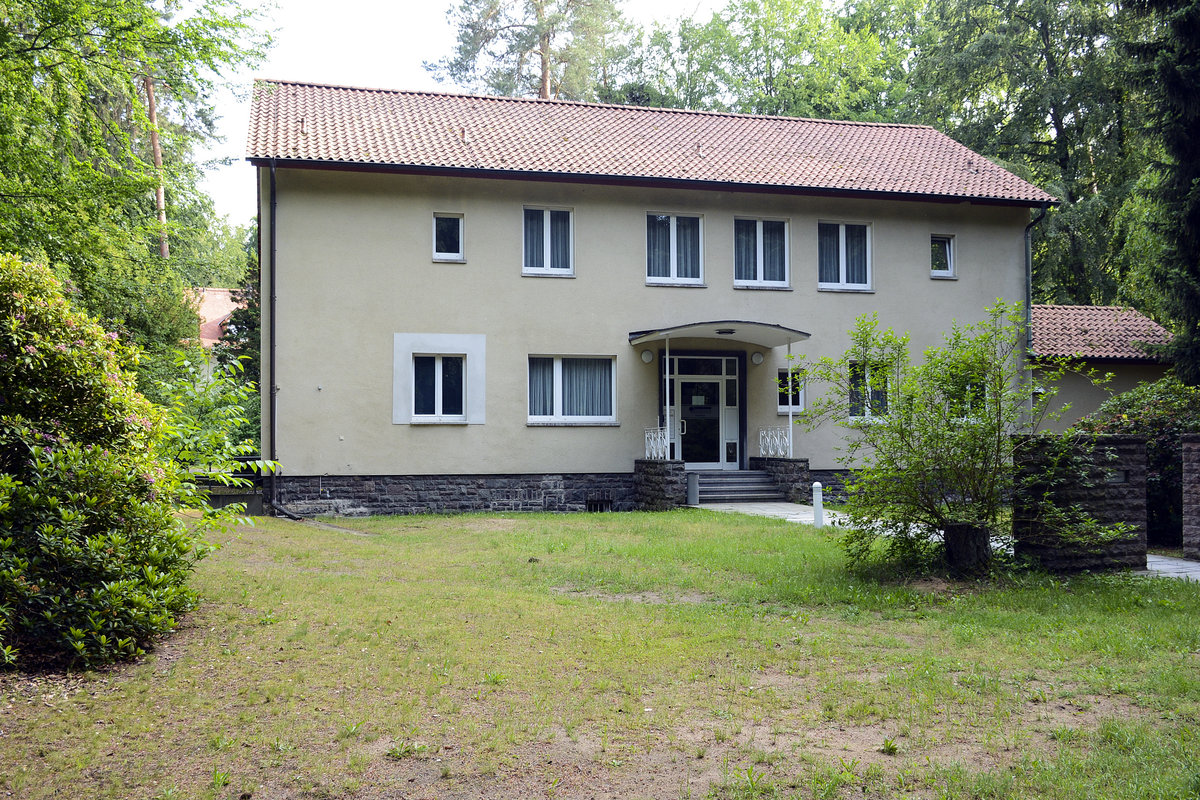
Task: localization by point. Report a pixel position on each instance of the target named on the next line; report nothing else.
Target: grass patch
(660, 655)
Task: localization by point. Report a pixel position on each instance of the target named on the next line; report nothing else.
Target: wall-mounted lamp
(756, 358)
(647, 356)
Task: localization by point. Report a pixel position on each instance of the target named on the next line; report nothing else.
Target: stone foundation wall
(659, 485)
(1109, 485)
(833, 484)
(364, 495)
(791, 475)
(1191, 496)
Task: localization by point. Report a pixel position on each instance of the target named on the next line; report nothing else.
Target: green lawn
(688, 654)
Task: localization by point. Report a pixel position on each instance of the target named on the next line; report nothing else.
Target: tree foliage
(1162, 412)
(563, 49)
(94, 556)
(1170, 53)
(77, 180)
(929, 443)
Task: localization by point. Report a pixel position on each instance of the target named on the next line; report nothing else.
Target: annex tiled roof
(372, 128)
(1108, 332)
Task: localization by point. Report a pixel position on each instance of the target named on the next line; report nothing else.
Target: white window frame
(841, 284)
(548, 271)
(673, 279)
(950, 260)
(558, 417)
(758, 280)
(800, 401)
(438, 397)
(460, 256)
(470, 346)
(867, 415)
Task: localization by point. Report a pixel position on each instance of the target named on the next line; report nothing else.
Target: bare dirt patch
(650, 598)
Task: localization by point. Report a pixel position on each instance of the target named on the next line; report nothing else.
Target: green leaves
(95, 557)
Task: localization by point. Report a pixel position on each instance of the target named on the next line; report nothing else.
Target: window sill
(847, 289)
(764, 287)
(438, 421)
(571, 424)
(678, 284)
(943, 276)
(449, 260)
(548, 274)
(783, 412)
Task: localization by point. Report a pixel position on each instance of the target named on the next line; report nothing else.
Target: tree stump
(968, 546)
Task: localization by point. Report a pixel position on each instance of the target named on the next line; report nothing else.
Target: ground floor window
(438, 387)
(571, 389)
(791, 392)
(439, 378)
(868, 390)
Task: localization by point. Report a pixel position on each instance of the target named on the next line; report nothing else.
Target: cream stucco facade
(358, 293)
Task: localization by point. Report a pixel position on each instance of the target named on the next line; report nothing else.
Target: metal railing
(773, 442)
(656, 444)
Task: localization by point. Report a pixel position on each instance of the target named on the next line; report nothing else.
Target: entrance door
(700, 423)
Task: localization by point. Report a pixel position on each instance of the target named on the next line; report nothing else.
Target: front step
(744, 486)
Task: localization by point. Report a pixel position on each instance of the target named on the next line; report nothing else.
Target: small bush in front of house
(930, 443)
(1162, 412)
(93, 556)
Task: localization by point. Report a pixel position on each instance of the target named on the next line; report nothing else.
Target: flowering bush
(93, 555)
(1162, 412)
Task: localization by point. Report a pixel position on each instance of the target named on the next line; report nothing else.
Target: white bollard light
(818, 506)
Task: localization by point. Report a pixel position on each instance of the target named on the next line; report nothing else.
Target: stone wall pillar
(1109, 486)
(1191, 495)
(791, 475)
(659, 485)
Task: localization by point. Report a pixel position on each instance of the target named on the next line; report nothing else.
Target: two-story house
(499, 303)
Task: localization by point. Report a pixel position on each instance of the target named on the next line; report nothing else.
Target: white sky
(358, 43)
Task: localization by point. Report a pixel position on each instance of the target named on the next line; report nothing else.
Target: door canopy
(760, 334)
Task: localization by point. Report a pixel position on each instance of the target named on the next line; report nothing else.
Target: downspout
(272, 405)
(1029, 276)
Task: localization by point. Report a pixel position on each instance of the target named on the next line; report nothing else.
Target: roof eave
(628, 180)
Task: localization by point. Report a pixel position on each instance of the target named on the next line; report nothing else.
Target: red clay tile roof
(213, 306)
(382, 129)
(1108, 332)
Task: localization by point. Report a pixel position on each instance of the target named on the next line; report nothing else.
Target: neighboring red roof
(374, 128)
(1108, 332)
(214, 307)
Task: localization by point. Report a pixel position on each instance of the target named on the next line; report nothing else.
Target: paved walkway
(1156, 566)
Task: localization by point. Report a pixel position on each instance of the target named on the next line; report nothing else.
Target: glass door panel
(700, 418)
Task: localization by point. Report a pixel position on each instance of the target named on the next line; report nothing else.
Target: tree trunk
(968, 546)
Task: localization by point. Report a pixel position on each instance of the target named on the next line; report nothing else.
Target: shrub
(929, 444)
(1162, 412)
(93, 556)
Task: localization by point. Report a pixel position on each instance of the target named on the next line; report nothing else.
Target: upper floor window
(868, 390)
(570, 389)
(548, 246)
(448, 237)
(843, 256)
(941, 256)
(673, 249)
(760, 252)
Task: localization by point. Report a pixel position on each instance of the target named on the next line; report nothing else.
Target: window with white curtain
(843, 256)
(548, 242)
(673, 249)
(571, 389)
(760, 252)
